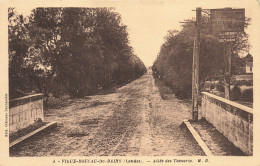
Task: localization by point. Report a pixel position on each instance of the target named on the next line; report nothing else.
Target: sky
(149, 20)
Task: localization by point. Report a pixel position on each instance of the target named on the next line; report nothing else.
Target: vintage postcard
(129, 82)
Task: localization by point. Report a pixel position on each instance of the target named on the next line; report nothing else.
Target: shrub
(220, 87)
(183, 93)
(235, 93)
(212, 86)
(247, 95)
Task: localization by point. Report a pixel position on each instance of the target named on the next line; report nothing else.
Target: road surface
(141, 119)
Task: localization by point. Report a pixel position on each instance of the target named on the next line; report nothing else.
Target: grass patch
(22, 132)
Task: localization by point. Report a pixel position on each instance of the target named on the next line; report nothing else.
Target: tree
(76, 50)
(18, 45)
(174, 63)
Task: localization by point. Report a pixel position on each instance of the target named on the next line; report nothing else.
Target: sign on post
(227, 22)
(227, 36)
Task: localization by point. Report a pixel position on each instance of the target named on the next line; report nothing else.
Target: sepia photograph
(140, 82)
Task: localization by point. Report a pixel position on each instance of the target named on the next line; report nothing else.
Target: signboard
(227, 36)
(227, 22)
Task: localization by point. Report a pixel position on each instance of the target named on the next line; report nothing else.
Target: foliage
(235, 93)
(220, 87)
(247, 95)
(174, 63)
(77, 50)
(18, 45)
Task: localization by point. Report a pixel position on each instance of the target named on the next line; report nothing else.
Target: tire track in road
(112, 134)
(146, 138)
(135, 122)
(118, 144)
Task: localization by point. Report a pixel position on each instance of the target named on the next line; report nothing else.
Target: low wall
(24, 111)
(233, 120)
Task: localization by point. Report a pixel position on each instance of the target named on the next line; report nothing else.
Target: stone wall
(24, 111)
(233, 120)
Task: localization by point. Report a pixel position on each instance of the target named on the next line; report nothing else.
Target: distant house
(249, 63)
(245, 72)
(249, 67)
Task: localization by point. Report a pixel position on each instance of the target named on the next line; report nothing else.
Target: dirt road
(141, 119)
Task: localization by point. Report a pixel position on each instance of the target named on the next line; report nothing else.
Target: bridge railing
(233, 120)
(24, 111)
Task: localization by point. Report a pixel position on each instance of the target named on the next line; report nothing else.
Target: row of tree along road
(174, 62)
(75, 51)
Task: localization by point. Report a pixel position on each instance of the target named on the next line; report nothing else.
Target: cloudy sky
(149, 20)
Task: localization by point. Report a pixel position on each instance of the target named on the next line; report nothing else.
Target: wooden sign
(227, 36)
(227, 20)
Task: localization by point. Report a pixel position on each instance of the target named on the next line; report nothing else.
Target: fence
(233, 120)
(24, 111)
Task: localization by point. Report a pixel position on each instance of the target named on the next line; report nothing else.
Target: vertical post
(227, 75)
(195, 66)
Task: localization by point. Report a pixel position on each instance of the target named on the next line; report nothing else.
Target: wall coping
(240, 106)
(237, 105)
(25, 99)
(233, 120)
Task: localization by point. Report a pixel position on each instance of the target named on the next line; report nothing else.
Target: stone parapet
(233, 120)
(24, 111)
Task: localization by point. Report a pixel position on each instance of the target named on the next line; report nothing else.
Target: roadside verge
(21, 139)
(197, 137)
